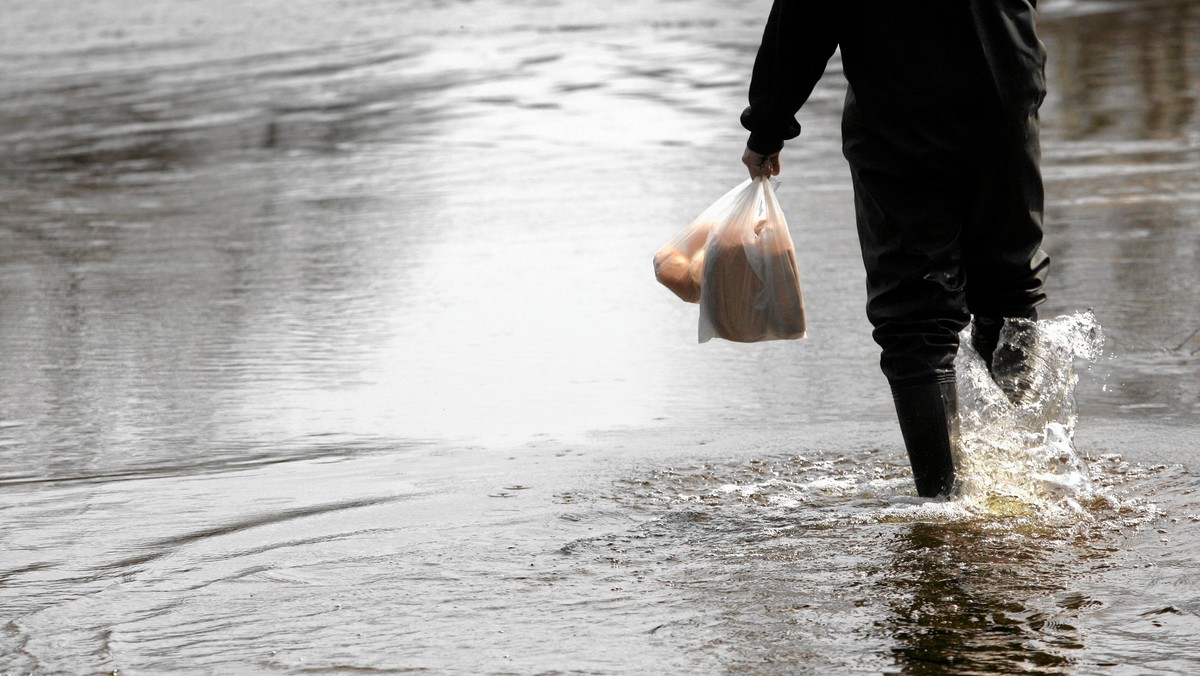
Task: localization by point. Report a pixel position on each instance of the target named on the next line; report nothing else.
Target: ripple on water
(828, 560)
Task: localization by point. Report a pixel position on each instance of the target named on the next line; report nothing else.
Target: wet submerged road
(331, 342)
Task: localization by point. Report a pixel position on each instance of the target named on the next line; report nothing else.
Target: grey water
(330, 343)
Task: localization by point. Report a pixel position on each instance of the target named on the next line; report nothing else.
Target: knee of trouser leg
(911, 351)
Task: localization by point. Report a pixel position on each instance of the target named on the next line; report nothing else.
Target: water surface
(331, 343)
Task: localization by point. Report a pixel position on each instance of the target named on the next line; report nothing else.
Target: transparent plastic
(737, 261)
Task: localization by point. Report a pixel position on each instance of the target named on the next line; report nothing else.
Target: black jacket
(904, 59)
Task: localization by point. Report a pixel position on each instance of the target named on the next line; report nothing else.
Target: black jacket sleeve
(799, 38)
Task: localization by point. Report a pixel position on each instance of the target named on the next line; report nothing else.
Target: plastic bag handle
(772, 203)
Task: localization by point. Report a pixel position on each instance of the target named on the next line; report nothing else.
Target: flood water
(331, 344)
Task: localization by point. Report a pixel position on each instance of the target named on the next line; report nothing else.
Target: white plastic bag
(736, 259)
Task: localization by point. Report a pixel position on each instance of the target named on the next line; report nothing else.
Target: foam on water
(1017, 463)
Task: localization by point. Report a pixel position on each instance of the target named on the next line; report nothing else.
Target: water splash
(1016, 454)
(1018, 468)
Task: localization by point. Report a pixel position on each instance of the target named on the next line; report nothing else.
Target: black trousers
(949, 211)
(941, 132)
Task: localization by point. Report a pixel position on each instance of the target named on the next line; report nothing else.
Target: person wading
(940, 129)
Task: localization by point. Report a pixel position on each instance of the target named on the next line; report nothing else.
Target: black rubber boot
(928, 415)
(985, 335)
(1014, 365)
(1009, 363)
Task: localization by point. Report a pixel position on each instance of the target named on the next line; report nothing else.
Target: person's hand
(761, 165)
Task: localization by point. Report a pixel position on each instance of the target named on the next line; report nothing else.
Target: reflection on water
(961, 601)
(327, 326)
(1122, 147)
(1124, 75)
(827, 563)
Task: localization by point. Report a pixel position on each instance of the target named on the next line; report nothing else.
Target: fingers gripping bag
(737, 260)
